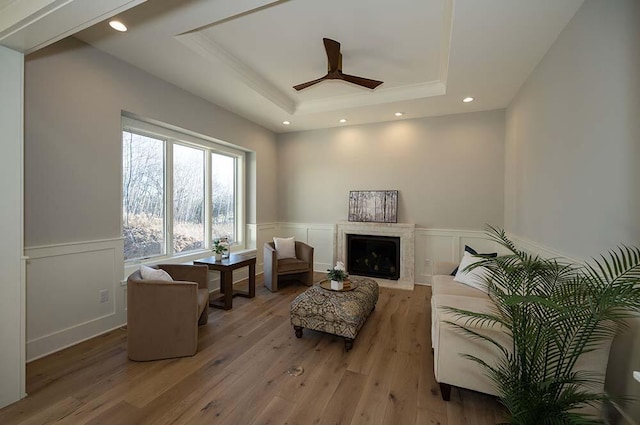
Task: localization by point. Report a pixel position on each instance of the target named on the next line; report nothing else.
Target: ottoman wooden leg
(348, 343)
(298, 330)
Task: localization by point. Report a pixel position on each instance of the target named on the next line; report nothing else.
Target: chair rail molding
(541, 250)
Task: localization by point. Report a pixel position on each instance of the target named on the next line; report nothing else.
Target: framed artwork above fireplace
(378, 206)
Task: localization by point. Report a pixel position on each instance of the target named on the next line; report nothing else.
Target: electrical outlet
(103, 295)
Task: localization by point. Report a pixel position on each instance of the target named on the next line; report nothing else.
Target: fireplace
(373, 256)
(406, 251)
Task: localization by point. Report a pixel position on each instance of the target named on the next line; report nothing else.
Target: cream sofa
(449, 366)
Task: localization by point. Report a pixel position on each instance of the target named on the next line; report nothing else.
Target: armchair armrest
(270, 248)
(304, 252)
(148, 295)
(270, 266)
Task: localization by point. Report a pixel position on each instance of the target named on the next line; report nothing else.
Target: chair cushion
(285, 247)
(292, 265)
(150, 273)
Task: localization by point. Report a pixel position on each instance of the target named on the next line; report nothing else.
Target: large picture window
(179, 192)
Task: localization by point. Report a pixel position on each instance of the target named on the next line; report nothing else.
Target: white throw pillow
(149, 273)
(285, 247)
(474, 278)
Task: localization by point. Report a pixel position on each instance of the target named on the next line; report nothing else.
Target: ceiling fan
(334, 60)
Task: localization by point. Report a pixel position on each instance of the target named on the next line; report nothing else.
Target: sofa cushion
(476, 277)
(445, 285)
(470, 250)
(478, 305)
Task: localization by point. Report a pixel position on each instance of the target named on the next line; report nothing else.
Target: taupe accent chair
(163, 317)
(300, 268)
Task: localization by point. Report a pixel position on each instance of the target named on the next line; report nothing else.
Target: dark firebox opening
(373, 256)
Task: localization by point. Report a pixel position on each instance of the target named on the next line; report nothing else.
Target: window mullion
(168, 184)
(208, 196)
(239, 201)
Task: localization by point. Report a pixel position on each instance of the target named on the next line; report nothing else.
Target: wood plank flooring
(239, 375)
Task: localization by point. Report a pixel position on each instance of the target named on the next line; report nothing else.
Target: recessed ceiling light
(343, 120)
(286, 122)
(118, 26)
(468, 99)
(399, 114)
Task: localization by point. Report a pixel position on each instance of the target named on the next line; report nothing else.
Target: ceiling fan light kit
(334, 61)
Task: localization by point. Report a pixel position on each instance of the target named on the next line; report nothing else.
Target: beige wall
(449, 170)
(74, 97)
(573, 147)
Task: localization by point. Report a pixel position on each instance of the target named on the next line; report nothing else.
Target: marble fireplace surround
(404, 231)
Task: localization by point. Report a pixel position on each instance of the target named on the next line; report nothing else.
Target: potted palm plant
(555, 313)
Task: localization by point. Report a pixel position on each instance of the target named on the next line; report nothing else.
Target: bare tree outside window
(188, 199)
(143, 196)
(179, 192)
(223, 196)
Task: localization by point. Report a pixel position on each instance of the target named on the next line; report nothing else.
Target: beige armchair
(163, 317)
(300, 267)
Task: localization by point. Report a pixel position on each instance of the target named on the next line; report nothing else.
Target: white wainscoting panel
(431, 245)
(264, 233)
(252, 235)
(63, 285)
(319, 236)
(437, 245)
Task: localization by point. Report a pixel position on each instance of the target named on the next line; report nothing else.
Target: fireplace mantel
(405, 231)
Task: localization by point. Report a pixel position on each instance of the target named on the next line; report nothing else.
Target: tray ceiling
(246, 55)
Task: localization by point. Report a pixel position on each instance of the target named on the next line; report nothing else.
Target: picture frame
(377, 206)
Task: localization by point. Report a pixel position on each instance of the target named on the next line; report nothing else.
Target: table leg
(227, 284)
(252, 280)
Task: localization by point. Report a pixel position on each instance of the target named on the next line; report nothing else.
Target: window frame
(171, 137)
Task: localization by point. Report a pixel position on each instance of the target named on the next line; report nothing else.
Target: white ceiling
(246, 55)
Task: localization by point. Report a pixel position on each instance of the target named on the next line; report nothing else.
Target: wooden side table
(226, 267)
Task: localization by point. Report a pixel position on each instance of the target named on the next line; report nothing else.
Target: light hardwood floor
(239, 375)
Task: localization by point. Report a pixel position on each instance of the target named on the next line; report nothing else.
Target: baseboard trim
(71, 344)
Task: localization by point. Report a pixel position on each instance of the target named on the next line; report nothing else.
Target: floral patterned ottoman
(339, 313)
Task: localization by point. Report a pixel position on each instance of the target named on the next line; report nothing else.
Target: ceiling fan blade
(334, 59)
(309, 83)
(364, 82)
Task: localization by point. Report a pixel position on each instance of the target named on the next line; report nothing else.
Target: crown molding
(210, 50)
